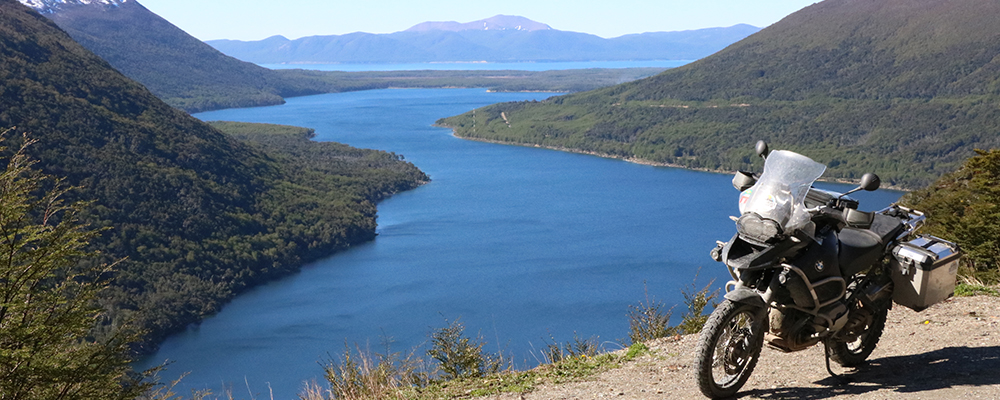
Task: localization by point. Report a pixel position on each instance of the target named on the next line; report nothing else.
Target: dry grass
(363, 374)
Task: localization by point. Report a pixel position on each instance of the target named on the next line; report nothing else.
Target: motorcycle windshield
(780, 192)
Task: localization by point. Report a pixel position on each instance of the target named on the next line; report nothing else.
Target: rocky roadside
(950, 350)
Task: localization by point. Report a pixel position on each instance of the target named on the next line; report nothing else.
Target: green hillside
(198, 216)
(904, 88)
(183, 71)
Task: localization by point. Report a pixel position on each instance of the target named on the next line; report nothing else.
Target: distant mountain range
(496, 23)
(191, 75)
(176, 67)
(904, 88)
(498, 39)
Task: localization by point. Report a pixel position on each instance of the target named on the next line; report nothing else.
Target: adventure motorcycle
(808, 267)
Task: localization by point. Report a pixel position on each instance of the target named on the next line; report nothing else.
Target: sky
(258, 19)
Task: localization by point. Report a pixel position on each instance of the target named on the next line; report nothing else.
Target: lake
(523, 245)
(478, 66)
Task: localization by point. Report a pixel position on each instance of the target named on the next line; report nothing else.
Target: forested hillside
(176, 67)
(904, 88)
(196, 215)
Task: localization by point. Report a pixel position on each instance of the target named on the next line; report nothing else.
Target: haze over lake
(522, 244)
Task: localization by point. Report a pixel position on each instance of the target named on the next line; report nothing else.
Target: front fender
(746, 296)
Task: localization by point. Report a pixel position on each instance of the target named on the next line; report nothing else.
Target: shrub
(649, 320)
(964, 207)
(970, 286)
(696, 300)
(362, 374)
(462, 357)
(578, 347)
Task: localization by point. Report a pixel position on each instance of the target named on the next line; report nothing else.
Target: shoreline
(640, 161)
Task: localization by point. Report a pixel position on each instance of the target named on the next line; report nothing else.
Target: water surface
(521, 244)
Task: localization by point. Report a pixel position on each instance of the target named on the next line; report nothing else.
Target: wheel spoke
(732, 348)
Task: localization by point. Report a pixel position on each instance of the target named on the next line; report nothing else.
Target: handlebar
(913, 219)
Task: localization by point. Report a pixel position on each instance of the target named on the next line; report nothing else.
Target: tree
(964, 207)
(48, 297)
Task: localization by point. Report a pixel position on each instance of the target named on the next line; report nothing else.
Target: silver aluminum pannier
(924, 271)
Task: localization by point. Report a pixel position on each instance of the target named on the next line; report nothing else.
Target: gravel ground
(949, 351)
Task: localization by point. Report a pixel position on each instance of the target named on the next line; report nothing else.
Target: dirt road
(949, 351)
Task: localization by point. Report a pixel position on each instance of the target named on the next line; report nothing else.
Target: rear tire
(728, 348)
(852, 354)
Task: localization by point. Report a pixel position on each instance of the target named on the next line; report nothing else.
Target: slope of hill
(176, 67)
(197, 215)
(903, 88)
(508, 39)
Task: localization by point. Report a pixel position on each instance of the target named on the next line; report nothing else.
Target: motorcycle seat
(859, 249)
(886, 227)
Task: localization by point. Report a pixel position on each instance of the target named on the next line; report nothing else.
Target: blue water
(524, 66)
(522, 244)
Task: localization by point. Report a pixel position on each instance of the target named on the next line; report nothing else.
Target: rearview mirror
(870, 182)
(762, 149)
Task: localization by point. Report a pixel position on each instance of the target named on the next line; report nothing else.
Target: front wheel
(729, 347)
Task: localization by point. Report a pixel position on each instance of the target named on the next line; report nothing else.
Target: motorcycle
(809, 267)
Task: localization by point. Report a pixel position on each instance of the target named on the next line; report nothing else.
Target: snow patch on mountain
(495, 23)
(48, 6)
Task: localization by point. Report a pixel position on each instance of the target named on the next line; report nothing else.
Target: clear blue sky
(258, 19)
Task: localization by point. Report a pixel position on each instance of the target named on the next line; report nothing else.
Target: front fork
(739, 292)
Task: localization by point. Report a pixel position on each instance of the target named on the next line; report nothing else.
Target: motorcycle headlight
(753, 228)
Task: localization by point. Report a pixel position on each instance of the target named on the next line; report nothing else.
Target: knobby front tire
(728, 348)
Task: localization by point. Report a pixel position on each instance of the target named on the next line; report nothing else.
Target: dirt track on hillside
(949, 351)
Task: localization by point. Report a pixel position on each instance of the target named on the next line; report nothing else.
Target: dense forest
(193, 215)
(906, 89)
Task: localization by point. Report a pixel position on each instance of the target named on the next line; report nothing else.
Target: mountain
(193, 76)
(194, 215)
(495, 23)
(51, 6)
(904, 88)
(498, 39)
(181, 70)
